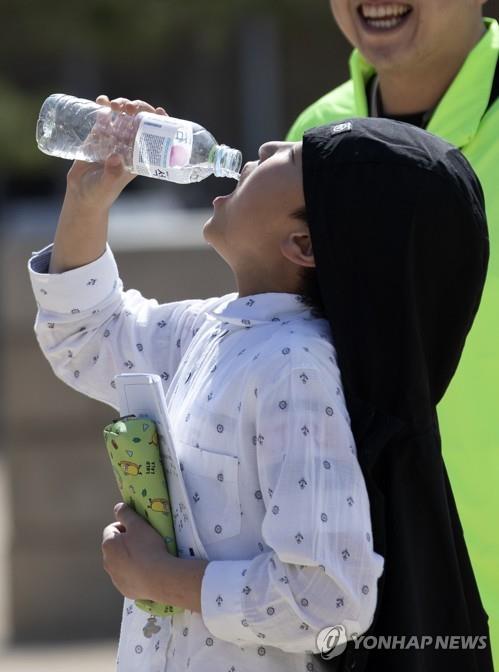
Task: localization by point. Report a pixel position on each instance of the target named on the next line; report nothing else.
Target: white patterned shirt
(267, 454)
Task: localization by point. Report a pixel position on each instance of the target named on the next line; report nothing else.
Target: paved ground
(89, 657)
(81, 657)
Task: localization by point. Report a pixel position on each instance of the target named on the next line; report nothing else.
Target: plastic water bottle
(151, 144)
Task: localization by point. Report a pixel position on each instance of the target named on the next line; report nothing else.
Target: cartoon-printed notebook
(148, 471)
(133, 447)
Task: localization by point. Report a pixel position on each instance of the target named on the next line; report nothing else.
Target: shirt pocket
(211, 481)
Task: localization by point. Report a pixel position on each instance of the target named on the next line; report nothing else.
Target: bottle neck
(227, 162)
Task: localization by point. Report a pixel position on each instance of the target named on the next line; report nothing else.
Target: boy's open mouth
(242, 177)
(224, 197)
(384, 17)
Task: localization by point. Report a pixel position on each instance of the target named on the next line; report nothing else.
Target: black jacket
(399, 233)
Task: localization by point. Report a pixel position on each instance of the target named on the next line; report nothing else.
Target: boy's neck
(418, 89)
(249, 289)
(249, 284)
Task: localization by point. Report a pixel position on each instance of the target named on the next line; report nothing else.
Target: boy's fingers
(115, 173)
(118, 104)
(110, 532)
(143, 106)
(126, 515)
(129, 106)
(114, 164)
(136, 106)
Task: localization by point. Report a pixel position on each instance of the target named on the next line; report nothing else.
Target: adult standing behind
(434, 64)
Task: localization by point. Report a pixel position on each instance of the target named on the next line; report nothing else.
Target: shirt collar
(254, 309)
(460, 111)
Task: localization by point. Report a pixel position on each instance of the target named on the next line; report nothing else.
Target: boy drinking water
(361, 250)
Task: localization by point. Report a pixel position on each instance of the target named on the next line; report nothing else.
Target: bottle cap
(227, 162)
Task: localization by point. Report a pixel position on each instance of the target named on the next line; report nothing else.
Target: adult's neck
(418, 88)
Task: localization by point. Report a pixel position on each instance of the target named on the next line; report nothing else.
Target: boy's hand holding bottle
(91, 190)
(96, 186)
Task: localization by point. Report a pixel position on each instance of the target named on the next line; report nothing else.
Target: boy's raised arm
(87, 326)
(91, 191)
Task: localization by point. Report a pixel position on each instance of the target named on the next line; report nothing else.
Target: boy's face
(409, 34)
(253, 228)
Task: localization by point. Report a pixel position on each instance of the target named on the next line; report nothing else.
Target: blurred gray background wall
(244, 70)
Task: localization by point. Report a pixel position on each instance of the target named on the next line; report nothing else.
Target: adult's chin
(386, 47)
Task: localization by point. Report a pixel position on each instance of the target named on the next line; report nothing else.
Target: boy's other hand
(96, 186)
(134, 554)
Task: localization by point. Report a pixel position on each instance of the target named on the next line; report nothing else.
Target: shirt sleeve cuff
(222, 590)
(76, 290)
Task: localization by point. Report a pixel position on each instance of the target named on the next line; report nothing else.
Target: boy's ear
(297, 247)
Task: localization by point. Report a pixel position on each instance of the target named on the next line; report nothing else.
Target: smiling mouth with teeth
(384, 17)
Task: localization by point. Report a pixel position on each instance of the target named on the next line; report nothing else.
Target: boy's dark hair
(309, 286)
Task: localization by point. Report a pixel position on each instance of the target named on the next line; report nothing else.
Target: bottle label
(161, 144)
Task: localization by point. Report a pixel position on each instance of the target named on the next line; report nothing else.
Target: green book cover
(133, 446)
